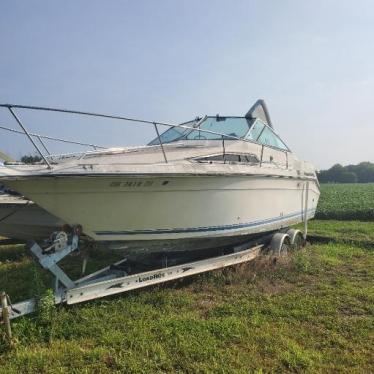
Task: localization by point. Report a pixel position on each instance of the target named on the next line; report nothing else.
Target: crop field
(346, 202)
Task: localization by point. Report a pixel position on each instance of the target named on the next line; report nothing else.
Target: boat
(212, 181)
(22, 219)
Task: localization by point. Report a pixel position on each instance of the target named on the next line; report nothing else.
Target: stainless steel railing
(46, 137)
(12, 107)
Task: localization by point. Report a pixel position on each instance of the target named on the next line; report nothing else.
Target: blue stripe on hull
(205, 229)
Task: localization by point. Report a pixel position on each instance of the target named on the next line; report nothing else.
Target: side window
(280, 144)
(231, 157)
(170, 135)
(269, 138)
(255, 130)
(249, 158)
(264, 135)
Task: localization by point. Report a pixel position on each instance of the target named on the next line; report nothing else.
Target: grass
(346, 202)
(354, 232)
(311, 312)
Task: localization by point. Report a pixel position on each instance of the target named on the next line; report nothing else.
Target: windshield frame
(272, 130)
(183, 126)
(199, 121)
(197, 125)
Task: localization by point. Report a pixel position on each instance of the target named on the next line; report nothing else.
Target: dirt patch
(206, 303)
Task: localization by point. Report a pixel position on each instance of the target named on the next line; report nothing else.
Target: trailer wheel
(296, 239)
(280, 244)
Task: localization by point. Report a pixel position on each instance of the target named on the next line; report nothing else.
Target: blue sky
(167, 60)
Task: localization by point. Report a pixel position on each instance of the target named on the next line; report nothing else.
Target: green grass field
(346, 202)
(312, 312)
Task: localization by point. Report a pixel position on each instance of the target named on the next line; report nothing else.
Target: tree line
(360, 173)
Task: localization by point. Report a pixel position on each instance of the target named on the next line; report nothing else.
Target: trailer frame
(114, 279)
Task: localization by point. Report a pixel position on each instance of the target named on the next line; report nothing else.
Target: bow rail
(12, 107)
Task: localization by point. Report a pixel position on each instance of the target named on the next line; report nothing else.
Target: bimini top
(254, 126)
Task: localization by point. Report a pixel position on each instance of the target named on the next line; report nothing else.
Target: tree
(335, 172)
(361, 173)
(331, 175)
(365, 172)
(30, 159)
(347, 177)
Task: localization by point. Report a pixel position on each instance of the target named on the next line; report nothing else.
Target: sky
(167, 60)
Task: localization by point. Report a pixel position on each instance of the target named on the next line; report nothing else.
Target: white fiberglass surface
(145, 208)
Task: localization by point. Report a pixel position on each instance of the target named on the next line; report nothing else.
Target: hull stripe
(207, 228)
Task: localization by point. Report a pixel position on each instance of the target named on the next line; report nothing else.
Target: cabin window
(249, 159)
(230, 158)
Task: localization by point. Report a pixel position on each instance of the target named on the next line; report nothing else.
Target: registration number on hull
(137, 183)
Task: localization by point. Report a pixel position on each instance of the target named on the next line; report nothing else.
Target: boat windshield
(263, 134)
(231, 126)
(173, 134)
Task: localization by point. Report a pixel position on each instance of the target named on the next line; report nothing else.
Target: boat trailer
(115, 279)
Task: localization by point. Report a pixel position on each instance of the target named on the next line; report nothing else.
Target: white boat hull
(173, 209)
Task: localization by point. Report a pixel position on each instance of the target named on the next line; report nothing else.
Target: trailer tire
(280, 244)
(296, 239)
